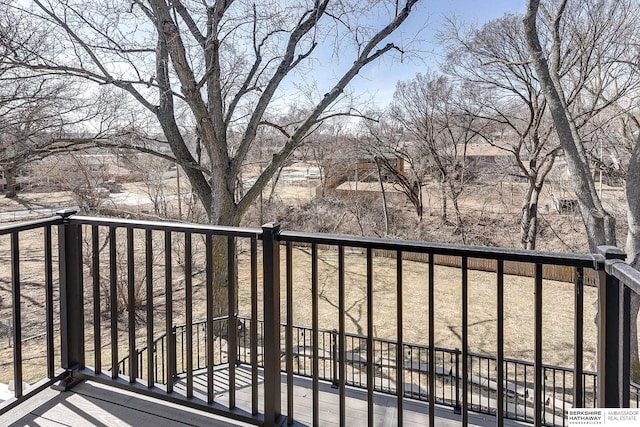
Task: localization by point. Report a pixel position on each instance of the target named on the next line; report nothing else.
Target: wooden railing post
(71, 298)
(271, 283)
(608, 334)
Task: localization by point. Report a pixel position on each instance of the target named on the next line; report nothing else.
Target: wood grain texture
(94, 404)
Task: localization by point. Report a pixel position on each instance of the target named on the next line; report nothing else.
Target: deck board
(91, 403)
(94, 404)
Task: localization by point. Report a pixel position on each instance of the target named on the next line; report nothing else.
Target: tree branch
(365, 57)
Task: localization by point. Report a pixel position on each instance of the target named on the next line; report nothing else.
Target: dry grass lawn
(558, 306)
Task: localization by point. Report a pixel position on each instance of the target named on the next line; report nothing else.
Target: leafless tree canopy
(39, 114)
(214, 73)
(435, 113)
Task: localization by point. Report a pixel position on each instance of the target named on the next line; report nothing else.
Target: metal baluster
(538, 387)
(465, 342)
(314, 333)
(370, 377)
(432, 332)
(169, 329)
(95, 267)
(131, 307)
(400, 341)
(188, 290)
(500, 340)
(16, 310)
(254, 326)
(48, 263)
(342, 339)
(150, 341)
(232, 343)
(113, 300)
(210, 295)
(578, 338)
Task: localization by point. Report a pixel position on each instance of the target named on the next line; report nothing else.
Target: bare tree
(429, 108)
(219, 67)
(385, 144)
(630, 132)
(493, 60)
(583, 68)
(216, 69)
(40, 115)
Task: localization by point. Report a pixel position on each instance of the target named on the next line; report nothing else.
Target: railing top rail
(30, 225)
(594, 261)
(169, 226)
(624, 273)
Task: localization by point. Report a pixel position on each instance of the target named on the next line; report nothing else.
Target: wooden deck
(91, 403)
(94, 404)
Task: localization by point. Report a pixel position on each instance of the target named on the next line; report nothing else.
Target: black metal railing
(179, 338)
(558, 381)
(117, 285)
(44, 246)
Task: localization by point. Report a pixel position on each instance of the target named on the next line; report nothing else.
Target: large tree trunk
(223, 212)
(633, 249)
(443, 191)
(530, 204)
(11, 187)
(529, 220)
(599, 223)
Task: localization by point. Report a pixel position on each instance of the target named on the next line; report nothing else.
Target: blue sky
(380, 78)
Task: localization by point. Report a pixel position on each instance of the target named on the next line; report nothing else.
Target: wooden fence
(551, 272)
(559, 273)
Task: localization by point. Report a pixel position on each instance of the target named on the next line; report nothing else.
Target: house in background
(482, 157)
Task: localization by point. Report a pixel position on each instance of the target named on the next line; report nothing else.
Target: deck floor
(91, 403)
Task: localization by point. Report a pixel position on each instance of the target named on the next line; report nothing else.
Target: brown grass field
(558, 310)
